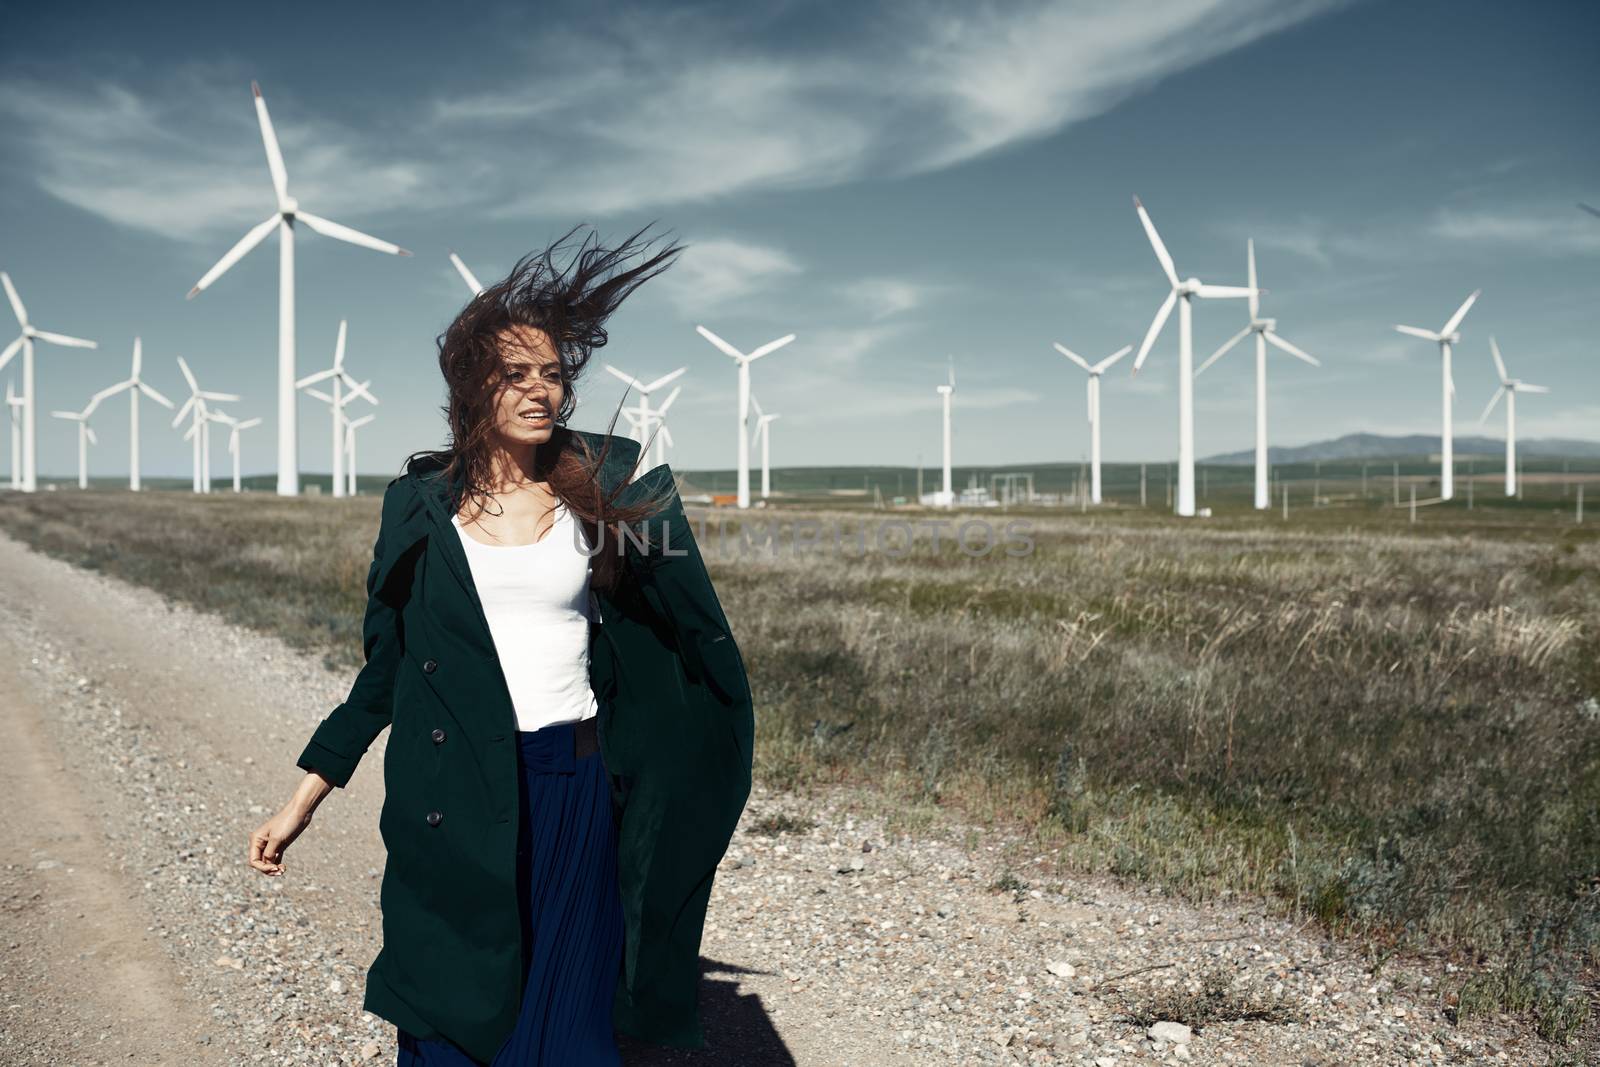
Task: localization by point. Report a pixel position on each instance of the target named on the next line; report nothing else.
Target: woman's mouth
(535, 415)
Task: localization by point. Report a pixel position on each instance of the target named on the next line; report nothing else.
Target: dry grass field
(1392, 729)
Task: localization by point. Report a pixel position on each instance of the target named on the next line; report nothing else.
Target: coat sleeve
(342, 738)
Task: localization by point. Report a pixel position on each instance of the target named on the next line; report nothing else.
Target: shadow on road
(736, 1026)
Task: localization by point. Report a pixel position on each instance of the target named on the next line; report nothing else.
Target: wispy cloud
(1546, 231)
(710, 273)
(883, 297)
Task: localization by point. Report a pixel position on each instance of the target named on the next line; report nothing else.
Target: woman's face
(531, 389)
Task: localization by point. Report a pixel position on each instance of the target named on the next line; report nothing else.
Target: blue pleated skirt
(571, 915)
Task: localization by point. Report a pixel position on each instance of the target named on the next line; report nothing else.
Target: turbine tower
(764, 421)
(1446, 337)
(14, 407)
(135, 385)
(340, 377)
(195, 407)
(24, 342)
(946, 497)
(1509, 388)
(1266, 333)
(1183, 293)
(86, 438)
(337, 404)
(235, 428)
(744, 362)
(1095, 371)
(350, 429)
(466, 275)
(283, 221)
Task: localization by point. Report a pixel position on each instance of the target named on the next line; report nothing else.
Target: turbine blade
(328, 228)
(1415, 331)
(1219, 353)
(110, 390)
(667, 403)
(88, 431)
(630, 379)
(234, 254)
(1274, 339)
(1493, 400)
(320, 395)
(187, 404)
(1461, 313)
(11, 350)
(666, 435)
(1105, 364)
(138, 357)
(1214, 292)
(1499, 364)
(1155, 328)
(1524, 387)
(357, 389)
(466, 275)
(753, 403)
(338, 346)
(770, 346)
(63, 340)
(1255, 294)
(1155, 242)
(153, 395)
(724, 346)
(663, 380)
(65, 414)
(16, 301)
(313, 379)
(194, 386)
(280, 178)
(1070, 354)
(230, 397)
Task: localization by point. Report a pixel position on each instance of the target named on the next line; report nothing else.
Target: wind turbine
(235, 428)
(350, 429)
(1187, 290)
(283, 221)
(1266, 333)
(24, 342)
(744, 362)
(195, 407)
(134, 385)
(1509, 388)
(340, 377)
(466, 275)
(341, 421)
(14, 408)
(1446, 337)
(86, 438)
(764, 420)
(946, 498)
(640, 420)
(1095, 371)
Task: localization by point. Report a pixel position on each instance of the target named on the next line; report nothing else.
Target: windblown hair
(571, 306)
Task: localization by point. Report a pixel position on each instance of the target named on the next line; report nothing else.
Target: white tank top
(536, 600)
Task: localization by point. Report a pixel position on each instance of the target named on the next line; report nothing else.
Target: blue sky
(897, 184)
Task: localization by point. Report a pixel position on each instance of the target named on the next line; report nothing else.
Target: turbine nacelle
(289, 206)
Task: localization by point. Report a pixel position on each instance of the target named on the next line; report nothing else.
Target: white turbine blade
(1214, 292)
(753, 403)
(313, 379)
(320, 395)
(770, 346)
(664, 379)
(466, 275)
(338, 346)
(219, 396)
(662, 410)
(63, 340)
(193, 426)
(1155, 242)
(632, 382)
(353, 424)
(183, 411)
(1274, 339)
(280, 179)
(329, 228)
(1106, 363)
(719, 342)
(138, 357)
(1461, 313)
(1493, 400)
(110, 390)
(1255, 294)
(66, 414)
(357, 389)
(188, 375)
(1155, 328)
(1219, 353)
(633, 418)
(88, 431)
(1070, 354)
(11, 350)
(1416, 331)
(666, 435)
(234, 254)
(16, 301)
(1524, 387)
(1499, 364)
(153, 395)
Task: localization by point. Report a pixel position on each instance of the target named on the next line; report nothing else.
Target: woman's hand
(279, 832)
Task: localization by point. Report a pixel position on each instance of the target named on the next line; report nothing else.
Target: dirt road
(145, 741)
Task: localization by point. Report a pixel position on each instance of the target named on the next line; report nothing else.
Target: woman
(570, 722)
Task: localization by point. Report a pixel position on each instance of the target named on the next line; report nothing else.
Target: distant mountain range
(1381, 446)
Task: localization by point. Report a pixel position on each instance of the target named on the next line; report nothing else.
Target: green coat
(676, 732)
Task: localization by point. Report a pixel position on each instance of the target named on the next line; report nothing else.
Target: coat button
(438, 736)
(429, 666)
(434, 818)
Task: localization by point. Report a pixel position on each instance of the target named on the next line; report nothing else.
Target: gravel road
(145, 742)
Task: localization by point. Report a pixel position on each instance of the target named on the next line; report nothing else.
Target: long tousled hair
(571, 306)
